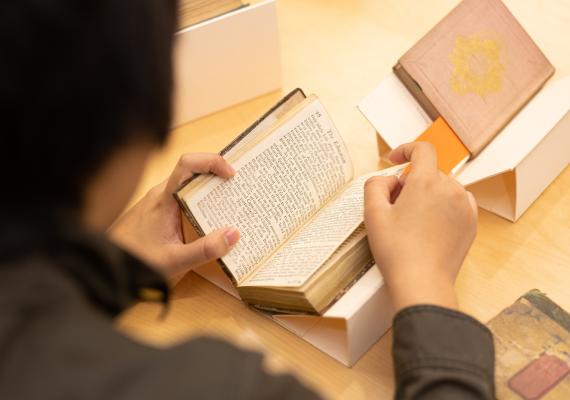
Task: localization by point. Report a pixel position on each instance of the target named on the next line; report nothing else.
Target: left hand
(152, 229)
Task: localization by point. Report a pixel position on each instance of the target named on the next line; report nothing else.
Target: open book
(296, 205)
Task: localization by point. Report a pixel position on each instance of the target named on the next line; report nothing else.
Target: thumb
(210, 247)
(378, 192)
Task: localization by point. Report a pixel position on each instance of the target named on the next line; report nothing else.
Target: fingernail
(231, 169)
(231, 236)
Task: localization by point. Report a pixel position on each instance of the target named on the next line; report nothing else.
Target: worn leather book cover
(532, 349)
(476, 68)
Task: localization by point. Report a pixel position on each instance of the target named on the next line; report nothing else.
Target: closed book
(451, 152)
(532, 349)
(476, 68)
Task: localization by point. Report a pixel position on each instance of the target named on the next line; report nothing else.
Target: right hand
(420, 228)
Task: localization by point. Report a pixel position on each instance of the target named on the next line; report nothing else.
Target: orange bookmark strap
(451, 152)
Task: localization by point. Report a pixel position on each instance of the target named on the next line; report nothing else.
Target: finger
(453, 179)
(404, 176)
(396, 192)
(421, 154)
(201, 163)
(378, 192)
(473, 203)
(210, 247)
(470, 197)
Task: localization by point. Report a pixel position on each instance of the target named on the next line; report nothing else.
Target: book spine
(548, 307)
(188, 214)
(280, 311)
(416, 91)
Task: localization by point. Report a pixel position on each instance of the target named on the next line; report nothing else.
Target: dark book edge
(280, 311)
(184, 207)
(548, 307)
(416, 91)
(350, 284)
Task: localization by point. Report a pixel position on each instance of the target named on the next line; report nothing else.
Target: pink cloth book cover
(477, 67)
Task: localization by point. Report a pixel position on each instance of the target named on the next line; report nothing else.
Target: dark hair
(78, 79)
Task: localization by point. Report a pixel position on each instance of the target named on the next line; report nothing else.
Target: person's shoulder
(216, 369)
(212, 353)
(51, 336)
(32, 279)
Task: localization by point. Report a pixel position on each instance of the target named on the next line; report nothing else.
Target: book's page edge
(284, 311)
(349, 285)
(302, 289)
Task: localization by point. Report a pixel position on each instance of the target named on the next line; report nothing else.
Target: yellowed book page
(279, 185)
(299, 258)
(293, 102)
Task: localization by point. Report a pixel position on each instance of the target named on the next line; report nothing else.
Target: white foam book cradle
(347, 329)
(512, 170)
(226, 60)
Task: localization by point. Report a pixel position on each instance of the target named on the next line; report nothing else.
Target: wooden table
(340, 50)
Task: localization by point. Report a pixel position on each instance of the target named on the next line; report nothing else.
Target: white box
(226, 60)
(514, 169)
(347, 329)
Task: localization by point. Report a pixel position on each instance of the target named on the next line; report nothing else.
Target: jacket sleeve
(442, 354)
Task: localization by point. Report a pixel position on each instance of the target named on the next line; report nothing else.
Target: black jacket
(61, 289)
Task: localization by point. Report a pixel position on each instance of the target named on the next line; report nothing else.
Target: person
(85, 88)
